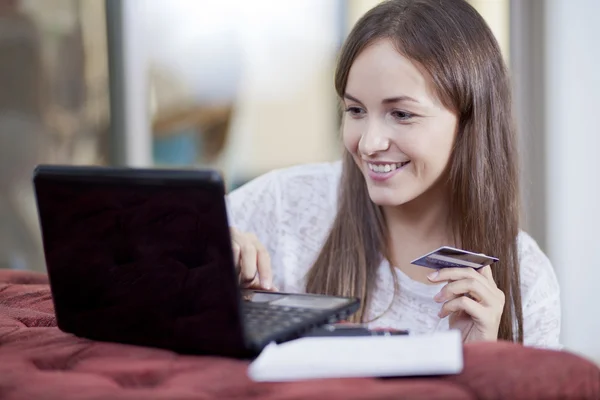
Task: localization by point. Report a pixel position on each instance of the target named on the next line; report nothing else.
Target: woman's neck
(416, 228)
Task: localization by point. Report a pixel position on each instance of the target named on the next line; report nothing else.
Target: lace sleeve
(254, 208)
(541, 298)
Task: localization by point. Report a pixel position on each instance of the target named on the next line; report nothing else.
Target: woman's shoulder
(317, 175)
(303, 191)
(536, 271)
(530, 253)
(313, 181)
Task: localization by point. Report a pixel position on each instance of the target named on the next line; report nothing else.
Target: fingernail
(433, 275)
(438, 297)
(265, 285)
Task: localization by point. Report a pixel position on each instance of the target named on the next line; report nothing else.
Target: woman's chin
(387, 197)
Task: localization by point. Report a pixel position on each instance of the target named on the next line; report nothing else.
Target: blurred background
(247, 86)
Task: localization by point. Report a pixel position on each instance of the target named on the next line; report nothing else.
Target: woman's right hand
(252, 261)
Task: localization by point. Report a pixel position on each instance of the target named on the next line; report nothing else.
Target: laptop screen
(145, 261)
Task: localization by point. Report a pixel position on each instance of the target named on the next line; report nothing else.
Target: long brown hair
(452, 42)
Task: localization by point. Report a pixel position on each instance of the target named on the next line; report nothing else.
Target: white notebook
(439, 353)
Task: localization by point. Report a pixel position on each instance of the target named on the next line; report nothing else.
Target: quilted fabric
(38, 361)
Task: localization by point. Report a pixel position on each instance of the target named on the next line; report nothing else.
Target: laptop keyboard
(263, 320)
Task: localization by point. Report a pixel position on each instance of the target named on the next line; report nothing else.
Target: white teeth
(383, 168)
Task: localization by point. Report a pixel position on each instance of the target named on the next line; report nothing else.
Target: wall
(285, 112)
(529, 86)
(357, 8)
(271, 61)
(572, 165)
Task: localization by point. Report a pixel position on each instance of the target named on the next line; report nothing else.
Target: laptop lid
(141, 256)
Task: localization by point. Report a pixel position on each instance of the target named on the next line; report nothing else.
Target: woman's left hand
(472, 300)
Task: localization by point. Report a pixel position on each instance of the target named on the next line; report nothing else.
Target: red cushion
(24, 277)
(37, 361)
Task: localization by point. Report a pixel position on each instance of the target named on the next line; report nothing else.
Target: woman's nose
(371, 143)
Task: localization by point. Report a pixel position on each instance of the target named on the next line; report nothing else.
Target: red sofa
(38, 361)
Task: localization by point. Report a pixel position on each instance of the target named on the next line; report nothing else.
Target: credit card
(450, 257)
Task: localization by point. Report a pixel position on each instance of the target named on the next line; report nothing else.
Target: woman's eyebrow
(396, 99)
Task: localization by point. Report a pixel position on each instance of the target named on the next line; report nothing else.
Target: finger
(477, 290)
(487, 273)
(249, 269)
(235, 244)
(236, 254)
(264, 267)
(463, 303)
(455, 274)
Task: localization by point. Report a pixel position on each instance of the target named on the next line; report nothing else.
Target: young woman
(430, 159)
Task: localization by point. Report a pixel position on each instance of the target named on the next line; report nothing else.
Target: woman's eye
(402, 115)
(355, 111)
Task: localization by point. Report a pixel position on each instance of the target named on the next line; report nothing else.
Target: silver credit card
(450, 257)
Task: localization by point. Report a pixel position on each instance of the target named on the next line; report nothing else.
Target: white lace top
(291, 210)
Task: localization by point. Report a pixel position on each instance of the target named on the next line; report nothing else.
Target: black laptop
(144, 256)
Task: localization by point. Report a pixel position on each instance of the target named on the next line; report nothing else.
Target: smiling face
(395, 127)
